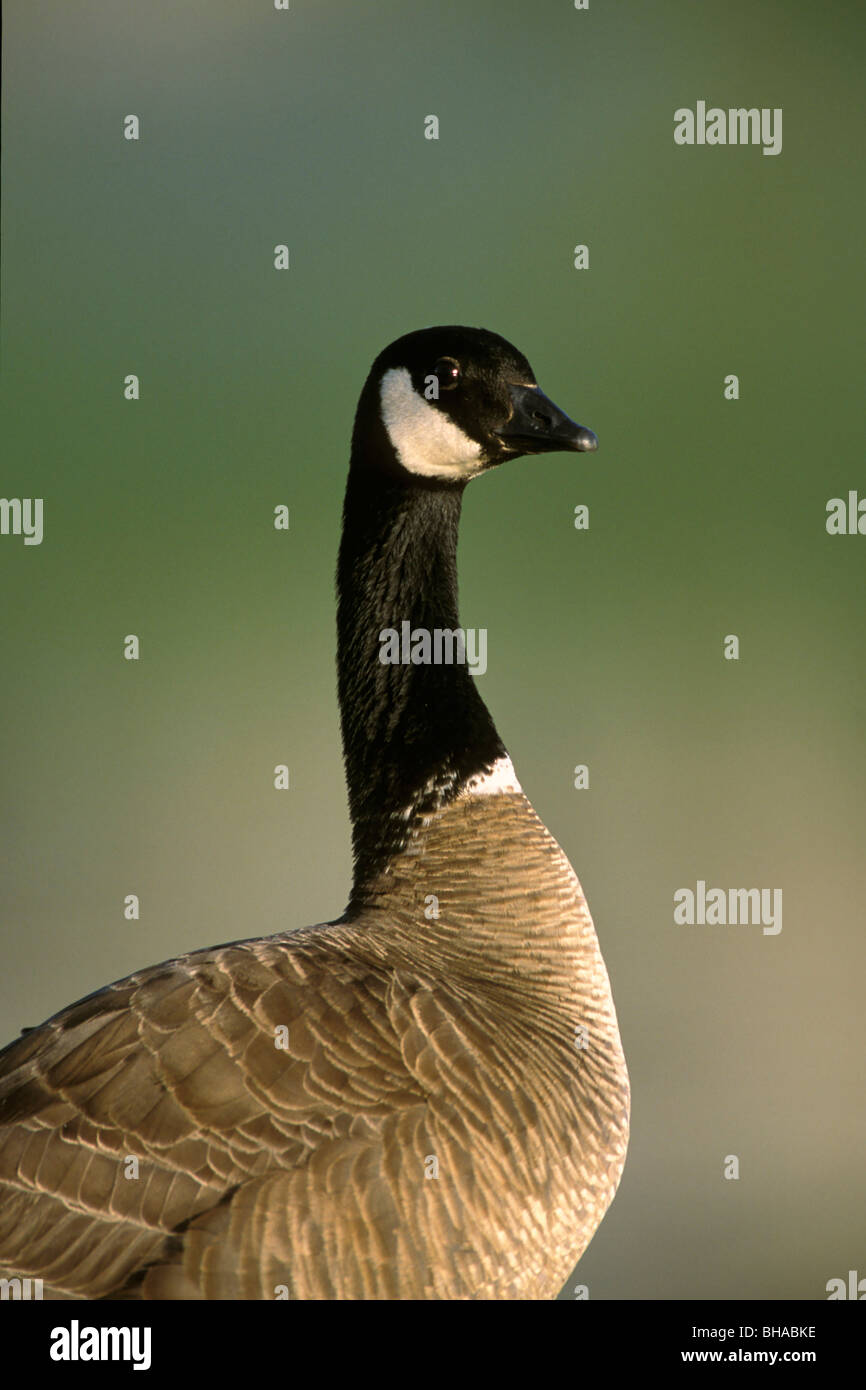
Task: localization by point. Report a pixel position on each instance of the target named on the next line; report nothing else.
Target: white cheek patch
(424, 439)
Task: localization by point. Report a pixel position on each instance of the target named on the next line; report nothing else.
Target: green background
(605, 647)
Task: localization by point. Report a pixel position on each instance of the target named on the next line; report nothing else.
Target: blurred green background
(605, 647)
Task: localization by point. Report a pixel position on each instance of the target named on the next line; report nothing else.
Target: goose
(424, 1099)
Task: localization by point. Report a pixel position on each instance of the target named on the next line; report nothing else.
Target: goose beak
(538, 426)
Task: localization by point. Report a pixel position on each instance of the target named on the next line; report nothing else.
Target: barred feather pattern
(430, 1130)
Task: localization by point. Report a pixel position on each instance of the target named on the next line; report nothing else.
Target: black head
(455, 401)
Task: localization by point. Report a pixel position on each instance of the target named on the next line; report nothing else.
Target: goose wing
(143, 1128)
(264, 1120)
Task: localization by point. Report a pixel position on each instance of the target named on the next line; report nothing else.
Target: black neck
(412, 734)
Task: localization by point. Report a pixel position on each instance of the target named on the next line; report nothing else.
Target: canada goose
(399, 1104)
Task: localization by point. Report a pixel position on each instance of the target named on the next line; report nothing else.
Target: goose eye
(447, 373)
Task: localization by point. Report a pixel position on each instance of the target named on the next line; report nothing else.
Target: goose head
(439, 407)
(454, 402)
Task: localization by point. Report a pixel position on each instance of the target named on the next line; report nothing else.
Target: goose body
(395, 1104)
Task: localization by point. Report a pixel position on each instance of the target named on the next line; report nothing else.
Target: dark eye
(447, 373)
